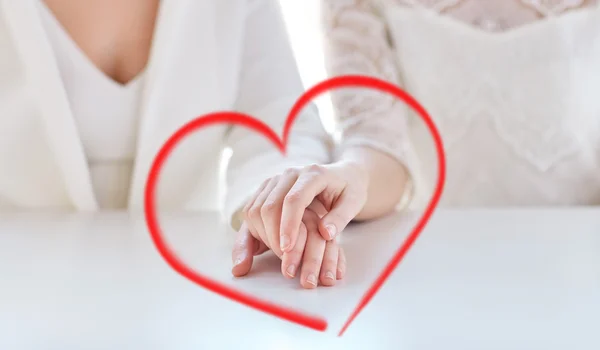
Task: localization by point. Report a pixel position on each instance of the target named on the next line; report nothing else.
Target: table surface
(475, 279)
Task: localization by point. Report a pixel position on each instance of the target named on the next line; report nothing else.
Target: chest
(115, 35)
(518, 110)
(498, 15)
(193, 69)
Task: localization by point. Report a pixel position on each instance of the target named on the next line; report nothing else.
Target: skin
(115, 35)
(320, 262)
(356, 187)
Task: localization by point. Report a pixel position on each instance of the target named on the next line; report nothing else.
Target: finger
(242, 253)
(293, 259)
(271, 210)
(260, 248)
(345, 209)
(253, 198)
(341, 264)
(318, 208)
(253, 231)
(254, 213)
(313, 256)
(307, 187)
(329, 265)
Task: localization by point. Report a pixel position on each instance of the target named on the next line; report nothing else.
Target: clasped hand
(298, 215)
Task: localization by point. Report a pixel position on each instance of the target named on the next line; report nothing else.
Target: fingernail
(329, 275)
(285, 242)
(340, 273)
(312, 279)
(331, 230)
(291, 270)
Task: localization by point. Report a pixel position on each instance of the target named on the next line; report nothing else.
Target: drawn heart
(259, 127)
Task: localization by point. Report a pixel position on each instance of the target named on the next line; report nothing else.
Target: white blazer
(207, 56)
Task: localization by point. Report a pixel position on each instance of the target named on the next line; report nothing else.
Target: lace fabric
(498, 15)
(357, 44)
(529, 95)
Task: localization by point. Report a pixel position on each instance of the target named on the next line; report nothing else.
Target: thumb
(334, 222)
(243, 252)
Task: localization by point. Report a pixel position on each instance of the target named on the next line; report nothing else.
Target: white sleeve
(357, 42)
(269, 86)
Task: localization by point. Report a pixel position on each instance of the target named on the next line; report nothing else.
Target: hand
(320, 260)
(277, 209)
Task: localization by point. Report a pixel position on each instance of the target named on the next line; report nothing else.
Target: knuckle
(268, 208)
(315, 169)
(265, 182)
(337, 218)
(290, 172)
(294, 256)
(293, 198)
(310, 178)
(254, 212)
(247, 207)
(329, 261)
(312, 262)
(245, 210)
(332, 246)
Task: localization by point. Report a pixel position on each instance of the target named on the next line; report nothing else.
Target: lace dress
(513, 86)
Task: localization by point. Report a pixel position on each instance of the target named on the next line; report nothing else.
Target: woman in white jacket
(90, 90)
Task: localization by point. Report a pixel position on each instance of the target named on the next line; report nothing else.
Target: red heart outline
(258, 126)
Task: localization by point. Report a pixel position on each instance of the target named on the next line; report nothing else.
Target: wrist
(352, 170)
(357, 158)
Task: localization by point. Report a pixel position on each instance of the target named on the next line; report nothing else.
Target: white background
(304, 28)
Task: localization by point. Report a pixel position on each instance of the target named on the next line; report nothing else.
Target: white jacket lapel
(182, 83)
(31, 42)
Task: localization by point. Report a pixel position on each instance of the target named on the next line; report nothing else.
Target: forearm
(386, 179)
(356, 41)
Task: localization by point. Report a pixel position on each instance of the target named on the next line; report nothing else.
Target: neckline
(500, 35)
(66, 38)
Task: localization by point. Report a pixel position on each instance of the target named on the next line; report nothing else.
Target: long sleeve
(269, 86)
(357, 42)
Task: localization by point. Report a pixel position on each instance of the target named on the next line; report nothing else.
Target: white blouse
(106, 115)
(512, 86)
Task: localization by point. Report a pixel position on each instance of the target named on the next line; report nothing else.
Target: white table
(478, 279)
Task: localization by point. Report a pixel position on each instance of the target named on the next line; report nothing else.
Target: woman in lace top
(512, 85)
